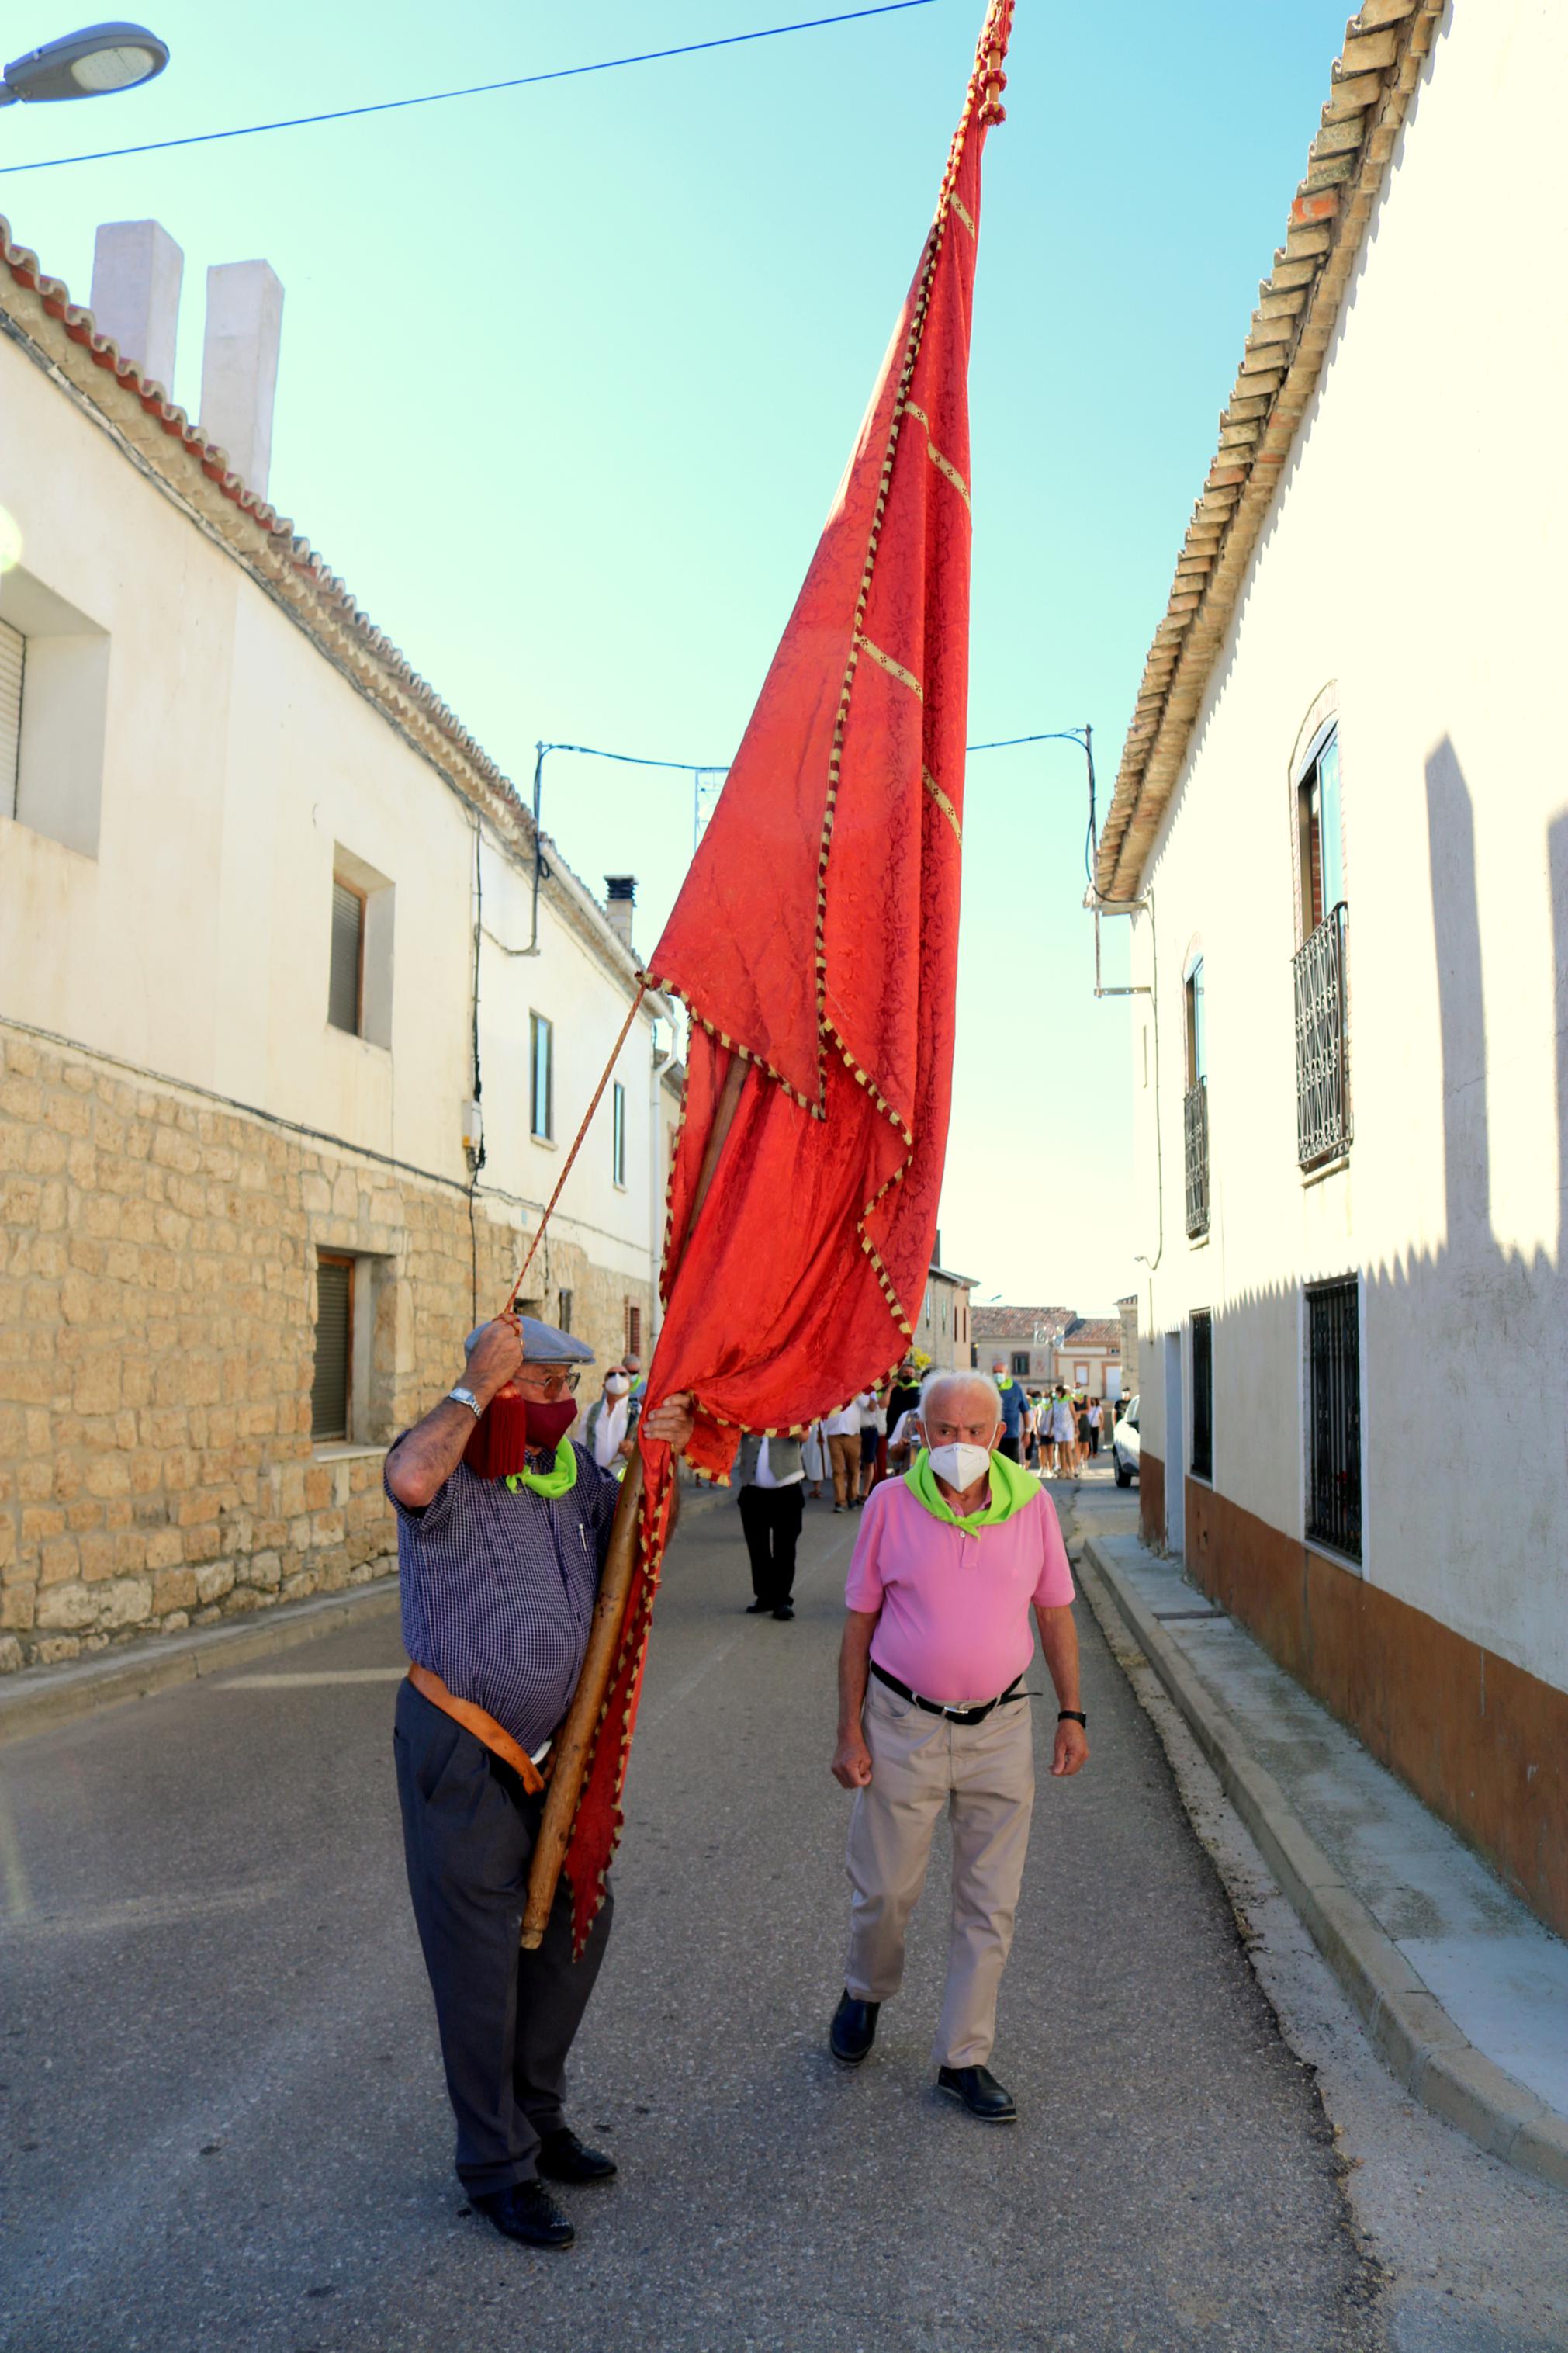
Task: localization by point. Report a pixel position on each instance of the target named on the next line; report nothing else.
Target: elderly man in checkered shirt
(502, 1526)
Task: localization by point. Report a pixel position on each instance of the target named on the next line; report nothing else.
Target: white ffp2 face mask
(959, 1466)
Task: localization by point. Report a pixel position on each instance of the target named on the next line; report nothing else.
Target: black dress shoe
(980, 2092)
(784, 1609)
(756, 1609)
(562, 2157)
(854, 2029)
(527, 2211)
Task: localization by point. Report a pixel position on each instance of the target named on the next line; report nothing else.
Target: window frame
(1200, 1441)
(541, 1028)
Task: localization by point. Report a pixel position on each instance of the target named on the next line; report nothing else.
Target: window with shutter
(345, 987)
(542, 1079)
(618, 1136)
(334, 1340)
(13, 651)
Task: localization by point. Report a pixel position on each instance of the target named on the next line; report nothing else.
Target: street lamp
(93, 63)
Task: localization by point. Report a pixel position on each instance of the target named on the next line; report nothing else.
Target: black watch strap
(1072, 1716)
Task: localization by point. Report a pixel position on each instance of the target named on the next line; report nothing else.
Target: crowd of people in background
(1056, 1431)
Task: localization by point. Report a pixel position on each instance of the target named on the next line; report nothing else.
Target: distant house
(1088, 1357)
(1042, 1346)
(942, 1329)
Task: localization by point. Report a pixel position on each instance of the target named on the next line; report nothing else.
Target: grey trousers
(506, 2018)
(984, 1775)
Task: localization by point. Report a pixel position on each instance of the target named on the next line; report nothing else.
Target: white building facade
(1341, 829)
(271, 926)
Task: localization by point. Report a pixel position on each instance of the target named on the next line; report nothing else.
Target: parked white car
(1124, 1446)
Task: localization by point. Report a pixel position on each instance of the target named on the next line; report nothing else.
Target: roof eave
(1370, 91)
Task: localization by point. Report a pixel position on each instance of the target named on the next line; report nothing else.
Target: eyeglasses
(546, 1383)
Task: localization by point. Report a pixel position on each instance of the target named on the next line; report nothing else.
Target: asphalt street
(226, 2125)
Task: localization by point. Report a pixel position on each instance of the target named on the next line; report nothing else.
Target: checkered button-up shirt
(498, 1591)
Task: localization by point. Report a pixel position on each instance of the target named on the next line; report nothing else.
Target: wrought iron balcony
(1195, 1115)
(1323, 1068)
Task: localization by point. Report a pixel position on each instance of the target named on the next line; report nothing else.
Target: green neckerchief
(1003, 1380)
(1011, 1488)
(558, 1481)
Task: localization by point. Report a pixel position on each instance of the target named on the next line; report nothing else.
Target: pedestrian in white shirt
(843, 1429)
(771, 1478)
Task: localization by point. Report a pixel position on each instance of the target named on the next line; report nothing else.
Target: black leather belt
(935, 1707)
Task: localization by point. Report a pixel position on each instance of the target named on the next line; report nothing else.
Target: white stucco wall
(237, 762)
(1412, 561)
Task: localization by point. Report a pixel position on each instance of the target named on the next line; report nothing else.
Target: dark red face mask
(509, 1427)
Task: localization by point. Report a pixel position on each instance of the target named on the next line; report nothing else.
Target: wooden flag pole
(574, 1744)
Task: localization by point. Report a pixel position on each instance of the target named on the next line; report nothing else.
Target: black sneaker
(526, 2211)
(977, 2089)
(854, 2029)
(562, 2157)
(786, 1609)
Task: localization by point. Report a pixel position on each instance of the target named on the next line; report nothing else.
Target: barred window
(1333, 1415)
(634, 1330)
(1203, 1394)
(564, 1312)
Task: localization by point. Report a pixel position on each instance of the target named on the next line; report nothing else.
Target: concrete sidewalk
(1462, 1991)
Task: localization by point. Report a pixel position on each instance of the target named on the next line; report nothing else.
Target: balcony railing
(1195, 1116)
(1323, 1069)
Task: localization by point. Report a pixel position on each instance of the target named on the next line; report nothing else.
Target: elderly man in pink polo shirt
(949, 1561)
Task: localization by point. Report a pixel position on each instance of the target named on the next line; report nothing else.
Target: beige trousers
(845, 1453)
(984, 1776)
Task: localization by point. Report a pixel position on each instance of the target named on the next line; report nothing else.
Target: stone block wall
(157, 1308)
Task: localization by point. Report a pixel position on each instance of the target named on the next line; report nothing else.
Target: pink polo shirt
(954, 1622)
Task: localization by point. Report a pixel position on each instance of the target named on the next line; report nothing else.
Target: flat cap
(543, 1344)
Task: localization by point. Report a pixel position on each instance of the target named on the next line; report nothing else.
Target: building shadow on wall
(1465, 1391)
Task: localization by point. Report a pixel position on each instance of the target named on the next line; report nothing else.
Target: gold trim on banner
(894, 668)
(943, 465)
(941, 798)
(963, 215)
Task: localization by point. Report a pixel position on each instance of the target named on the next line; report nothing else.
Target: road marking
(13, 1870)
(147, 1912)
(303, 1682)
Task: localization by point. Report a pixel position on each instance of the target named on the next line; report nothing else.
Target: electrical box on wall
(473, 1126)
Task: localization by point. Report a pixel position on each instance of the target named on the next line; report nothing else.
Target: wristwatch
(466, 1396)
(1072, 1716)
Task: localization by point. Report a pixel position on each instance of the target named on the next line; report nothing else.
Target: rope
(578, 1144)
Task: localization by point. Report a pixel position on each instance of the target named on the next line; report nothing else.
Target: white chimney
(136, 273)
(620, 897)
(239, 365)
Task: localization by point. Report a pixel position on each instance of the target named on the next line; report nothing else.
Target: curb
(1415, 2035)
(39, 1698)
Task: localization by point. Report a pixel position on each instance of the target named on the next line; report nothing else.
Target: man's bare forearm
(854, 1668)
(426, 1456)
(1059, 1641)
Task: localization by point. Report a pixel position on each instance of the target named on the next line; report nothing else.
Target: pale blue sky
(569, 376)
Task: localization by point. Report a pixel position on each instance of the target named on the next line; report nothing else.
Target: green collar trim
(1012, 1489)
(558, 1481)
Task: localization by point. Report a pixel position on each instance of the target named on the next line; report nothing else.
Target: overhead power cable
(474, 90)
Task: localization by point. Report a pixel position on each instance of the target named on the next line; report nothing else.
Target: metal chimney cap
(621, 886)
